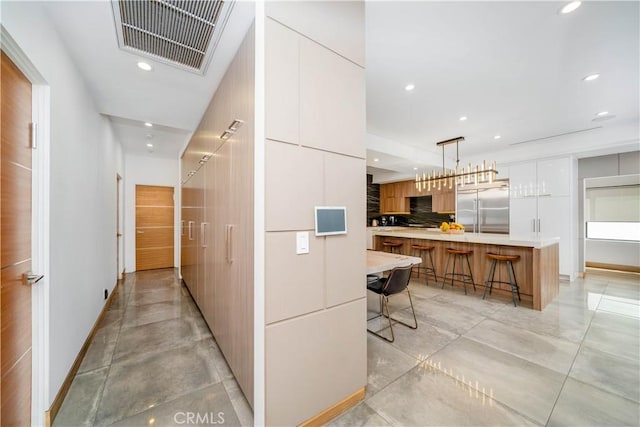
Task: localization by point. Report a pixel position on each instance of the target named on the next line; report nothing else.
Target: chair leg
(513, 283)
(384, 305)
(513, 272)
(453, 274)
(415, 321)
(433, 270)
(470, 273)
(464, 277)
(488, 283)
(446, 268)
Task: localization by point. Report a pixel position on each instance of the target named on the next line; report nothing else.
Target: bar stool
(462, 255)
(509, 259)
(392, 246)
(418, 251)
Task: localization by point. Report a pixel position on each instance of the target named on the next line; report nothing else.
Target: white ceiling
(173, 100)
(513, 68)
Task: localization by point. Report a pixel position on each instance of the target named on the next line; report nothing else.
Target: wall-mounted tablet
(331, 220)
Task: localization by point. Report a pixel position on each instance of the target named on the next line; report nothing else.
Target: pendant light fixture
(447, 178)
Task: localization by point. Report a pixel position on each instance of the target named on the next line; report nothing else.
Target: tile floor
(152, 362)
(474, 363)
(469, 363)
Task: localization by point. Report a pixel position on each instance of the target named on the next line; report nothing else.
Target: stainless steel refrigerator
(484, 208)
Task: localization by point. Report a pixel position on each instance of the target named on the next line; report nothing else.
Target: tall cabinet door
(208, 296)
(198, 179)
(555, 220)
(188, 255)
(222, 311)
(522, 216)
(240, 352)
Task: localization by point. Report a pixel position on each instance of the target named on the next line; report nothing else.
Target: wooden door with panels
(154, 227)
(15, 243)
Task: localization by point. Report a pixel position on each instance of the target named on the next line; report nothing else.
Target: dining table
(379, 262)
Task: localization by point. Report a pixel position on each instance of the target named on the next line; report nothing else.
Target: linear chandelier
(447, 178)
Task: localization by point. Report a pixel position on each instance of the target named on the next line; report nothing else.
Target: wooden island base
(537, 270)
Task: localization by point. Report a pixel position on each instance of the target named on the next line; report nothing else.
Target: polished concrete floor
(479, 363)
(469, 363)
(153, 362)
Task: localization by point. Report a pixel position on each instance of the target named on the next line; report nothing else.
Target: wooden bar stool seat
(392, 246)
(508, 260)
(460, 255)
(419, 251)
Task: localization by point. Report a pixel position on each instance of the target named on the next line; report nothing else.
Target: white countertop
(531, 241)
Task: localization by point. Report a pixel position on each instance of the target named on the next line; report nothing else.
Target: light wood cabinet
(393, 199)
(217, 213)
(444, 201)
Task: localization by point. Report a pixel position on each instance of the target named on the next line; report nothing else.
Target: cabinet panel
(522, 180)
(555, 221)
(282, 77)
(522, 216)
(222, 277)
(554, 177)
(322, 125)
(293, 187)
(444, 201)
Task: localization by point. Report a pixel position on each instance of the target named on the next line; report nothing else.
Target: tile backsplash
(420, 208)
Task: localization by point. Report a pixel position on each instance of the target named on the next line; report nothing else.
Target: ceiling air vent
(183, 33)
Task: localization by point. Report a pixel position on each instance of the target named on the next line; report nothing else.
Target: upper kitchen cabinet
(393, 199)
(444, 201)
(554, 177)
(544, 178)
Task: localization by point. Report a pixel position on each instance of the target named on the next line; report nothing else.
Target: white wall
(85, 158)
(147, 170)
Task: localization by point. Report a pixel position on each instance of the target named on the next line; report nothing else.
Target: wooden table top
(378, 262)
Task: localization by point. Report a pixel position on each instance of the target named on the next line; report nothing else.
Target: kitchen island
(537, 271)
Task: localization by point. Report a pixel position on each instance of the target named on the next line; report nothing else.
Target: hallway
(153, 361)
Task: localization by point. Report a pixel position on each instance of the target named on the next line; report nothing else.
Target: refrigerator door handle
(533, 222)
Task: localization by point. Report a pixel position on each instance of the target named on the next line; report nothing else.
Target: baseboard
(614, 267)
(50, 415)
(335, 410)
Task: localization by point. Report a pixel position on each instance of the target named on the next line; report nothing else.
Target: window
(613, 213)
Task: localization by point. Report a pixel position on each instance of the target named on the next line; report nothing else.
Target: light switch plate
(302, 242)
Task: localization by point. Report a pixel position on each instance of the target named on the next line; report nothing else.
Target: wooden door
(154, 227)
(15, 242)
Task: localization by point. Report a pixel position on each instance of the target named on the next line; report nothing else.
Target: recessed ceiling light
(497, 137)
(147, 124)
(144, 66)
(415, 169)
(149, 145)
(463, 118)
(148, 136)
(409, 87)
(376, 160)
(602, 113)
(591, 77)
(570, 7)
